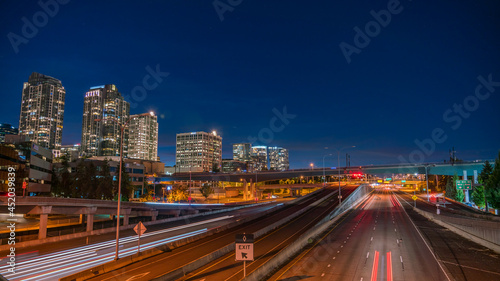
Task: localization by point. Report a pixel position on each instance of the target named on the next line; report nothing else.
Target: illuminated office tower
(241, 152)
(104, 110)
(278, 158)
(259, 157)
(42, 110)
(143, 137)
(198, 152)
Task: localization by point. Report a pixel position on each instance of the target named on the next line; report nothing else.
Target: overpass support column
(89, 213)
(44, 215)
(126, 219)
(154, 214)
(245, 190)
(125, 212)
(254, 195)
(82, 218)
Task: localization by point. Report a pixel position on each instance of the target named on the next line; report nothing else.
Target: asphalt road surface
(375, 241)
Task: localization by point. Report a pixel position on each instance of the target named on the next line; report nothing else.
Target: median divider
(291, 250)
(186, 269)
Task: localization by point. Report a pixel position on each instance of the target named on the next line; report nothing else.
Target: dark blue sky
(229, 75)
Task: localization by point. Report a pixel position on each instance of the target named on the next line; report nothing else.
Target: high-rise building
(259, 157)
(42, 110)
(241, 152)
(7, 129)
(104, 110)
(198, 152)
(143, 137)
(278, 158)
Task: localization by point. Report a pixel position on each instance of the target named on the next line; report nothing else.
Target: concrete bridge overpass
(404, 168)
(87, 208)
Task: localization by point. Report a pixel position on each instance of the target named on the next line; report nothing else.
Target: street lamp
(338, 168)
(324, 178)
(122, 128)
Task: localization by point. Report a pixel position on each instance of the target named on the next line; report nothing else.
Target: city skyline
(306, 64)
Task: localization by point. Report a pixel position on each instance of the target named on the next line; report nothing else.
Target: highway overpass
(260, 176)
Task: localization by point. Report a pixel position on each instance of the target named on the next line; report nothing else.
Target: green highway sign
(403, 180)
(464, 184)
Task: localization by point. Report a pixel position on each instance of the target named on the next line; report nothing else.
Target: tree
(179, 192)
(451, 190)
(215, 167)
(55, 187)
(493, 185)
(91, 178)
(478, 195)
(126, 186)
(486, 172)
(105, 183)
(80, 182)
(149, 197)
(206, 189)
(66, 189)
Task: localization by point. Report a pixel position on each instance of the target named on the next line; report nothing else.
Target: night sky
(232, 75)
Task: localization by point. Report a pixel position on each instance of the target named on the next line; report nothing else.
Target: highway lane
(464, 259)
(49, 262)
(159, 265)
(266, 247)
(374, 241)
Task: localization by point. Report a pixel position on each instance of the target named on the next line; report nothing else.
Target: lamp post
(338, 168)
(122, 128)
(324, 178)
(190, 183)
(255, 195)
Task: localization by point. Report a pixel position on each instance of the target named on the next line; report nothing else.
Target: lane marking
(375, 267)
(389, 267)
(425, 242)
(138, 276)
(469, 267)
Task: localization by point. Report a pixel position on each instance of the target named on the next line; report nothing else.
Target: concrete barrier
(291, 250)
(182, 271)
(484, 233)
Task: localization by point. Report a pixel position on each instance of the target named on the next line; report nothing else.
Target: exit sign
(464, 184)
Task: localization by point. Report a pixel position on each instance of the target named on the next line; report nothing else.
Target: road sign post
(139, 229)
(414, 197)
(244, 249)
